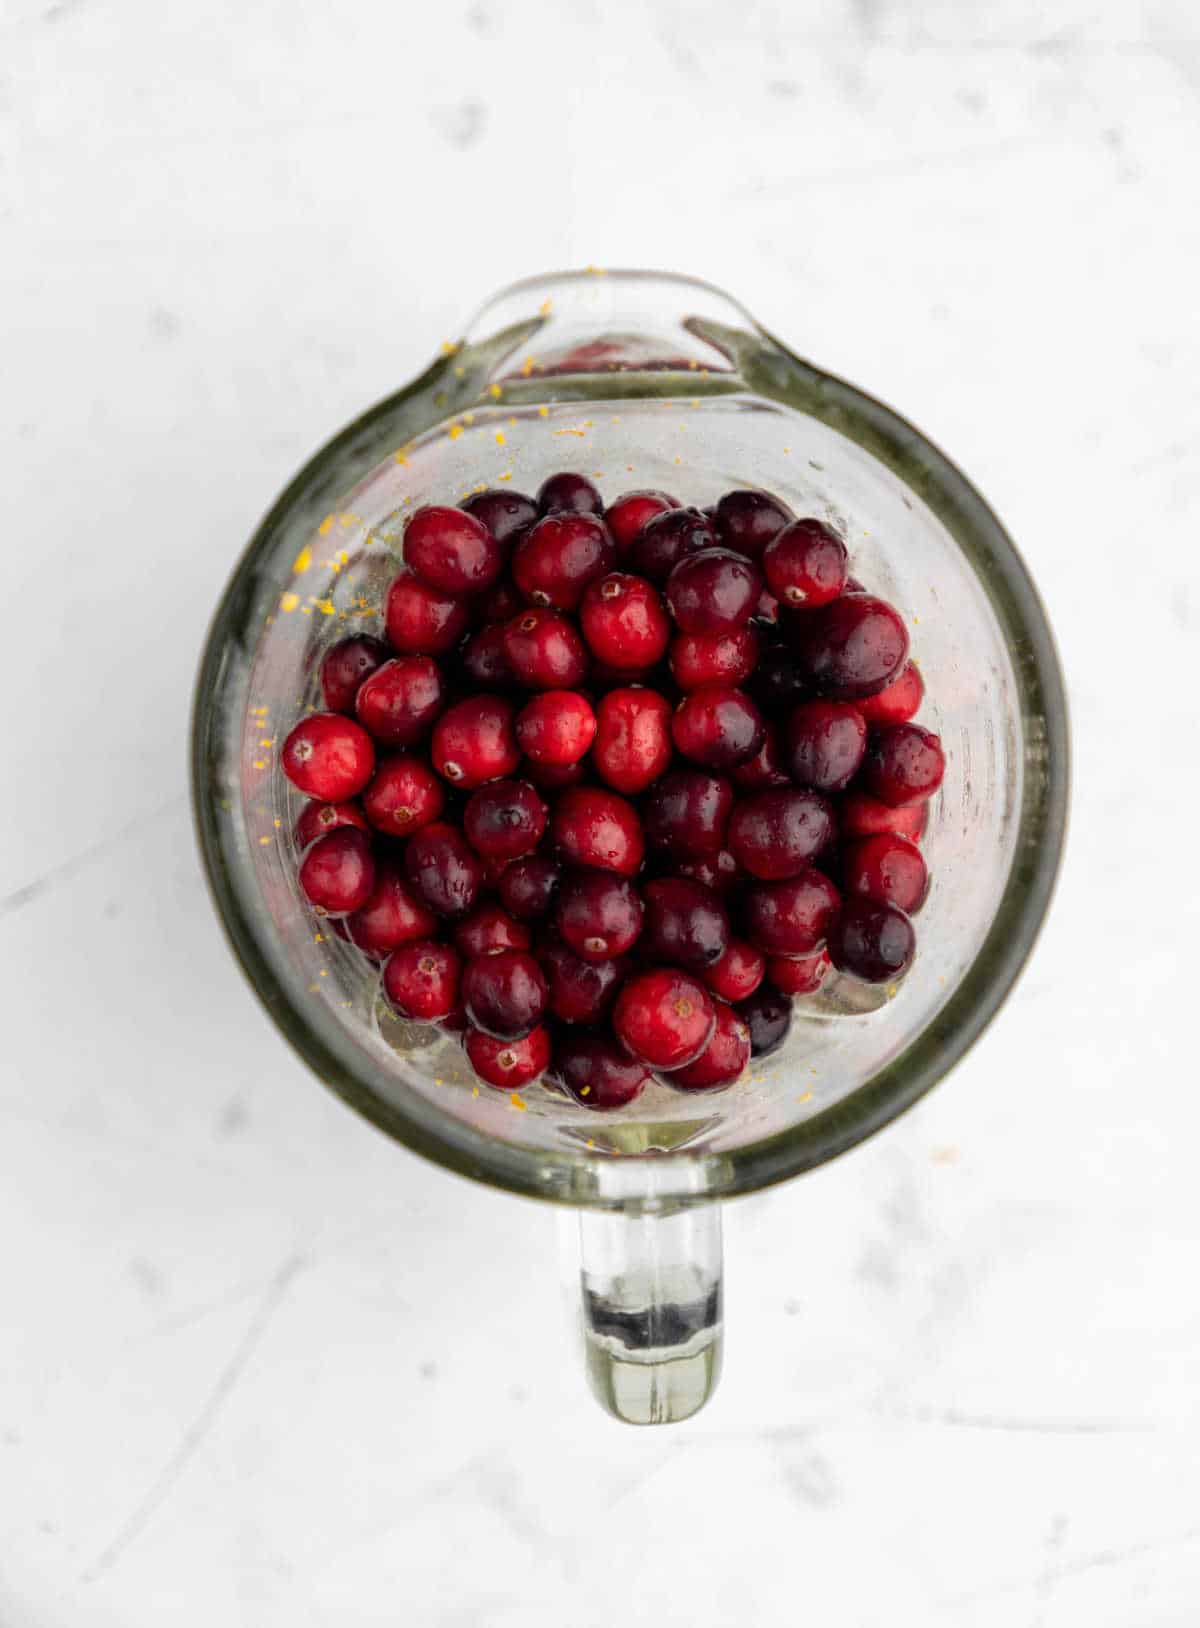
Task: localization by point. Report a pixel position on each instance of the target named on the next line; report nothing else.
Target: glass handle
(650, 1280)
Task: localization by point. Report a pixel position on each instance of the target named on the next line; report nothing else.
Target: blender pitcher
(639, 379)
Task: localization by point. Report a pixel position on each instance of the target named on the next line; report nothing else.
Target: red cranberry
(852, 647)
(346, 666)
(687, 812)
(328, 757)
(863, 816)
(768, 1016)
(569, 493)
(633, 738)
(391, 916)
(872, 940)
(719, 871)
(504, 513)
(556, 728)
(505, 993)
(904, 765)
(805, 564)
(527, 886)
(765, 769)
(713, 658)
(747, 520)
(404, 795)
(503, 603)
(594, 827)
(508, 1064)
(685, 923)
(544, 650)
(798, 974)
(713, 592)
(664, 1018)
(552, 777)
(595, 1071)
(318, 819)
(777, 834)
(554, 561)
(337, 873)
(717, 726)
(400, 700)
(504, 820)
(599, 915)
(738, 973)
(422, 621)
(777, 683)
(887, 867)
(474, 741)
(626, 517)
(421, 980)
(443, 869)
(485, 658)
(488, 930)
(455, 1021)
(667, 539)
(825, 743)
(580, 991)
(624, 621)
(899, 702)
(725, 1057)
(792, 917)
(451, 550)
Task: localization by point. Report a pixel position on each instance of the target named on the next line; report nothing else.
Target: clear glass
(642, 379)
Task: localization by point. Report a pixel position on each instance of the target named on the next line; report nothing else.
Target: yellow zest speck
(596, 271)
(448, 347)
(325, 527)
(787, 449)
(580, 433)
(916, 621)
(495, 391)
(322, 973)
(590, 1143)
(261, 763)
(507, 475)
(695, 403)
(543, 412)
(517, 1103)
(585, 1091)
(474, 1090)
(343, 557)
(278, 824)
(325, 606)
(807, 1097)
(587, 423)
(455, 431)
(500, 438)
(679, 460)
(512, 423)
(439, 1082)
(468, 418)
(303, 561)
(545, 308)
(400, 458)
(263, 841)
(318, 938)
(616, 418)
(268, 741)
(305, 611)
(527, 367)
(892, 991)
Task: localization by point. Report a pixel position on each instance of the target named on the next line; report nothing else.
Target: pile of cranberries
(619, 784)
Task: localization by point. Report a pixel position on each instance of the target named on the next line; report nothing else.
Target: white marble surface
(257, 1365)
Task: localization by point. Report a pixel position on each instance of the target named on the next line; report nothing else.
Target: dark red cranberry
(777, 683)
(544, 650)
(346, 666)
(503, 603)
(451, 550)
(713, 592)
(687, 812)
(872, 940)
(798, 974)
(337, 874)
(556, 728)
(455, 1021)
(899, 702)
(664, 1018)
(595, 1071)
(805, 564)
(489, 929)
(747, 520)
(738, 973)
(631, 511)
(624, 621)
(633, 738)
(422, 621)
(599, 914)
(527, 886)
(318, 819)
(723, 1060)
(824, 744)
(328, 757)
(717, 726)
(552, 777)
(505, 993)
(580, 991)
(887, 867)
(392, 916)
(863, 816)
(443, 869)
(505, 819)
(569, 493)
(667, 539)
(404, 795)
(475, 741)
(792, 917)
(399, 702)
(505, 514)
(765, 769)
(713, 658)
(485, 658)
(555, 560)
(852, 647)
(905, 764)
(421, 980)
(685, 923)
(594, 827)
(720, 871)
(768, 1016)
(776, 834)
(508, 1064)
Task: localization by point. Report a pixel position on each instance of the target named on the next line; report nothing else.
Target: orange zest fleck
(517, 1103)
(302, 561)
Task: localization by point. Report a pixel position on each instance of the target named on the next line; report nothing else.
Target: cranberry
(685, 923)
(591, 826)
(765, 769)
(345, 667)
(580, 991)
(904, 765)
(555, 560)
(400, 700)
(899, 702)
(854, 646)
(421, 980)
(451, 550)
(505, 819)
(805, 564)
(422, 621)
(872, 940)
(768, 1016)
(337, 874)
(503, 603)
(633, 738)
(595, 1071)
(551, 777)
(556, 728)
(455, 1021)
(887, 867)
(863, 816)
(713, 592)
(488, 930)
(713, 658)
(404, 795)
(766, 611)
(504, 513)
(725, 1057)
(626, 517)
(792, 917)
(527, 886)
(544, 650)
(667, 539)
(599, 914)
(505, 993)
(717, 726)
(508, 1064)
(719, 871)
(624, 621)
(798, 974)
(318, 819)
(443, 869)
(328, 757)
(664, 1018)
(390, 917)
(475, 741)
(486, 659)
(777, 683)
(567, 492)
(687, 813)
(825, 743)
(738, 973)
(777, 834)
(747, 520)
